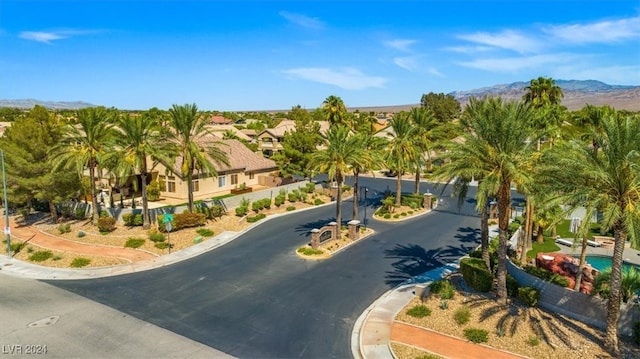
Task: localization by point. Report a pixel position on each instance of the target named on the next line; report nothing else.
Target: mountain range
(577, 93)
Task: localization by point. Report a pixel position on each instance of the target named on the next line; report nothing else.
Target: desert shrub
(294, 195)
(346, 188)
(104, 214)
(15, 246)
(279, 200)
(533, 341)
(56, 258)
(256, 218)
(156, 236)
(241, 211)
(419, 311)
(217, 211)
(462, 315)
(81, 234)
(387, 215)
(106, 224)
(127, 218)
(80, 262)
(40, 256)
(476, 275)
(161, 245)
(442, 288)
(183, 220)
(512, 286)
(444, 304)
(547, 275)
(64, 228)
(153, 191)
(396, 216)
(80, 213)
(529, 296)
(134, 242)
(308, 251)
(476, 335)
(318, 201)
(310, 187)
(29, 249)
(291, 208)
(559, 280)
(205, 232)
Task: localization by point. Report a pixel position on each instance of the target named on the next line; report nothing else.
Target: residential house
(270, 140)
(220, 120)
(220, 130)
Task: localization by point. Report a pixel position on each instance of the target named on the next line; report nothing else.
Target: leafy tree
(494, 148)
(85, 143)
(606, 180)
(298, 146)
(402, 152)
(335, 111)
(138, 139)
(336, 160)
(444, 107)
(28, 167)
(189, 135)
(363, 122)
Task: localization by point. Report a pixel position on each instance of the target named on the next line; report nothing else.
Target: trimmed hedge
(131, 220)
(183, 220)
(547, 275)
(476, 275)
(106, 224)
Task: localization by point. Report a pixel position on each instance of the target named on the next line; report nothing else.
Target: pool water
(601, 263)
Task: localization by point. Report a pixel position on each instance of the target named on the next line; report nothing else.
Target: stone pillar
(334, 229)
(426, 201)
(315, 238)
(493, 210)
(354, 234)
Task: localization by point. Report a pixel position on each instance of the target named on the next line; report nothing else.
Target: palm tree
(606, 180)
(195, 146)
(336, 160)
(542, 92)
(427, 135)
(402, 151)
(495, 146)
(85, 144)
(370, 156)
(335, 111)
(139, 138)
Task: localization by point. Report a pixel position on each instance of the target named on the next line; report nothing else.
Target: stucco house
(270, 140)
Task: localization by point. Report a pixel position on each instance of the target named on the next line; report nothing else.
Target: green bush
(217, 211)
(153, 191)
(318, 201)
(476, 335)
(396, 216)
(279, 200)
(462, 315)
(106, 224)
(346, 188)
(80, 262)
(127, 218)
(442, 288)
(294, 195)
(15, 246)
(183, 220)
(64, 228)
(80, 213)
(412, 200)
(104, 214)
(161, 245)
(205, 232)
(291, 208)
(40, 256)
(512, 286)
(156, 236)
(310, 187)
(533, 341)
(241, 211)
(256, 218)
(419, 311)
(559, 280)
(476, 275)
(308, 251)
(529, 296)
(547, 275)
(134, 242)
(387, 215)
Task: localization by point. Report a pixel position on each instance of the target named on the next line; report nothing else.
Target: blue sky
(264, 55)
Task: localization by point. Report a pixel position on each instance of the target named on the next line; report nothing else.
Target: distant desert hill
(576, 95)
(53, 105)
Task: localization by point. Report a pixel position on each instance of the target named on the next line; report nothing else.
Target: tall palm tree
(494, 147)
(427, 134)
(86, 142)
(606, 180)
(336, 160)
(370, 156)
(402, 152)
(139, 139)
(542, 92)
(195, 146)
(335, 111)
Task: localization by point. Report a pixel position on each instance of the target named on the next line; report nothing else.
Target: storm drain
(44, 322)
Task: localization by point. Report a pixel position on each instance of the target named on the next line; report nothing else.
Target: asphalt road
(255, 298)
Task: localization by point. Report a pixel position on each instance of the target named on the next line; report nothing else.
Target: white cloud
(434, 71)
(347, 78)
(468, 49)
(597, 32)
(400, 44)
(508, 39)
(512, 64)
(302, 20)
(409, 63)
(48, 36)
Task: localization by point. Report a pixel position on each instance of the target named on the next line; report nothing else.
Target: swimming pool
(601, 263)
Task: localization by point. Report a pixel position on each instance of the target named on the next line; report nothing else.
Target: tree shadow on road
(413, 260)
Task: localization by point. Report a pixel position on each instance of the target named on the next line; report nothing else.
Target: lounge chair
(566, 242)
(594, 243)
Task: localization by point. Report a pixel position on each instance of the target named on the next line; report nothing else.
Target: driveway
(254, 297)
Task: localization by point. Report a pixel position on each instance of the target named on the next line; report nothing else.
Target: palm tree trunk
(398, 190)
(416, 188)
(355, 195)
(504, 202)
(583, 260)
(94, 199)
(52, 210)
(146, 221)
(613, 304)
(540, 236)
(484, 236)
(189, 178)
(339, 180)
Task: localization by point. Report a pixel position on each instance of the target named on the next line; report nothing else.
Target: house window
(196, 185)
(171, 184)
(222, 181)
(234, 180)
(251, 175)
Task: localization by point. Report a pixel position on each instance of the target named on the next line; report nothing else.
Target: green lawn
(549, 245)
(563, 230)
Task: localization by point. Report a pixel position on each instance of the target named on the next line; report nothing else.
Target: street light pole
(7, 230)
(364, 221)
